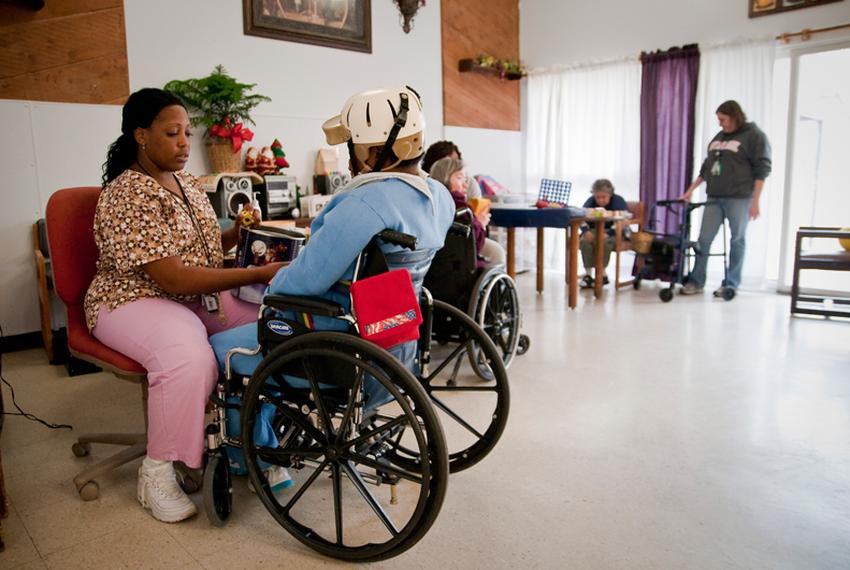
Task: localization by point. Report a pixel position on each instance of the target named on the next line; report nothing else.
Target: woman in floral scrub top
(159, 274)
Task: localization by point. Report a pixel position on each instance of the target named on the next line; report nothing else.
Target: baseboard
(23, 341)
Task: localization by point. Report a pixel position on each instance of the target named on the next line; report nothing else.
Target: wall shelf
(469, 65)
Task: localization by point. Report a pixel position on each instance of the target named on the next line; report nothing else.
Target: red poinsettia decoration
(236, 133)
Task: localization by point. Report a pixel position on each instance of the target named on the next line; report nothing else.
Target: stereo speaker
(330, 183)
(231, 194)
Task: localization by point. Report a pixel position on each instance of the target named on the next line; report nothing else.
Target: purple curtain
(667, 100)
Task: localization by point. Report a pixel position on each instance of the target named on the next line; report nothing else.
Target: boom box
(277, 196)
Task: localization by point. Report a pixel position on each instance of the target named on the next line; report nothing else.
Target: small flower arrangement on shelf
(505, 68)
(221, 104)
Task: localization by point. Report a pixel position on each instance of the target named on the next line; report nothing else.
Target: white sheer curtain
(743, 72)
(583, 124)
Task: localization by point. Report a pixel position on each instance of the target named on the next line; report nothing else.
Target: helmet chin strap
(354, 161)
(400, 121)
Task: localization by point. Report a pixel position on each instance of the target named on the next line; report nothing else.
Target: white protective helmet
(381, 118)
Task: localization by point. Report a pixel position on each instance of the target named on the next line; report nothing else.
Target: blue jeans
(737, 211)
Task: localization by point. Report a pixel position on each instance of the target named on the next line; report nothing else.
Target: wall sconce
(408, 9)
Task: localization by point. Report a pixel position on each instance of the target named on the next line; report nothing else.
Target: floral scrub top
(138, 221)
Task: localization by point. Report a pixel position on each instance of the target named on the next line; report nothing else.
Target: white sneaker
(690, 289)
(159, 491)
(278, 478)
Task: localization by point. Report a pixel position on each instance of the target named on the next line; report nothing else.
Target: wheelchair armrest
(312, 305)
(398, 238)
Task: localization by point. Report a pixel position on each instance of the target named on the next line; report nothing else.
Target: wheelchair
(347, 418)
(488, 295)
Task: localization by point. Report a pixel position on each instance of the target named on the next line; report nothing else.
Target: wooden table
(571, 219)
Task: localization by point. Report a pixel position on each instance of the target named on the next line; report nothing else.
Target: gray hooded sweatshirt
(735, 161)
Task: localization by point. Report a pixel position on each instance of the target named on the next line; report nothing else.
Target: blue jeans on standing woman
(737, 211)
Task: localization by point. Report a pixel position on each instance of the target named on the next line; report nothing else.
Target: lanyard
(196, 224)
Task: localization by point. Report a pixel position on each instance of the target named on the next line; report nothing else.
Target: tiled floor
(694, 434)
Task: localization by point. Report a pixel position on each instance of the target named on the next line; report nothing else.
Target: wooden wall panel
(470, 28)
(70, 51)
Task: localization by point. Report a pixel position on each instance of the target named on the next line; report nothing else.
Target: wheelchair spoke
(298, 418)
(456, 417)
(387, 468)
(367, 495)
(493, 388)
(337, 485)
(349, 408)
(456, 353)
(372, 433)
(319, 401)
(310, 480)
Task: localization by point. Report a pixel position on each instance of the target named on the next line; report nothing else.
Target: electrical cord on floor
(21, 412)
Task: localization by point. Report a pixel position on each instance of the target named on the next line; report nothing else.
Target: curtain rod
(806, 33)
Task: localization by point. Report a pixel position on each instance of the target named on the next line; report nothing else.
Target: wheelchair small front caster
(90, 491)
(728, 294)
(523, 344)
(218, 491)
(666, 295)
(81, 449)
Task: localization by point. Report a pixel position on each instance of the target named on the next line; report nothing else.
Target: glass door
(817, 181)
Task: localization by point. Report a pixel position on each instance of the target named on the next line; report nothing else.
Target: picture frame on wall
(765, 7)
(342, 24)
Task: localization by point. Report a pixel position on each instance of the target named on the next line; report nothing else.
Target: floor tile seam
(121, 526)
(17, 513)
(114, 531)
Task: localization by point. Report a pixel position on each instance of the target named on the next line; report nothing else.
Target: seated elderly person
(451, 173)
(603, 196)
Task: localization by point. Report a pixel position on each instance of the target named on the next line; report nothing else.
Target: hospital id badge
(210, 302)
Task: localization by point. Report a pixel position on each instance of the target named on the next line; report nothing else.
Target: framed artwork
(343, 24)
(764, 7)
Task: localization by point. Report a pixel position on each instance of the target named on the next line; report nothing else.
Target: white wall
(307, 84)
(555, 32)
(48, 146)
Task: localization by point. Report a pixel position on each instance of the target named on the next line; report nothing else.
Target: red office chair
(69, 217)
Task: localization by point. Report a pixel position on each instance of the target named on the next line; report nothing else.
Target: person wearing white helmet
(384, 130)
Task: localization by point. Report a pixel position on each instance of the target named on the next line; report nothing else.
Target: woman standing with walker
(734, 171)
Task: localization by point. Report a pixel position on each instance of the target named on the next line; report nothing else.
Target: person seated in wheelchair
(450, 172)
(384, 130)
(602, 196)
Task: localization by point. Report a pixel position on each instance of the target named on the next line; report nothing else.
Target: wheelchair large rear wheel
(495, 308)
(472, 409)
(338, 445)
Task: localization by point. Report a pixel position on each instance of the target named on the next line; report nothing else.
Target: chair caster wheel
(81, 450)
(666, 295)
(90, 491)
(189, 480)
(524, 343)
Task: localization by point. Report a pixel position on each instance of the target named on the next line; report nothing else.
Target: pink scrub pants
(170, 340)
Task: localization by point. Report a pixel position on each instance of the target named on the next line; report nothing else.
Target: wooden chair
(69, 218)
(837, 261)
(45, 285)
(621, 243)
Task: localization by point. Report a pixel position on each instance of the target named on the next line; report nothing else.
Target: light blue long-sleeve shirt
(343, 228)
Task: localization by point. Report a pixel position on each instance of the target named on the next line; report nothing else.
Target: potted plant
(221, 104)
